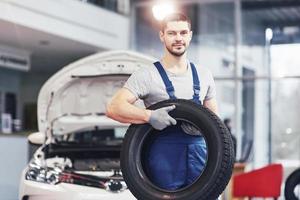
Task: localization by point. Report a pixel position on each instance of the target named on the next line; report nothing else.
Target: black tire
(214, 177)
(291, 182)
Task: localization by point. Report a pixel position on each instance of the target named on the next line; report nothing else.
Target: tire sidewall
(292, 181)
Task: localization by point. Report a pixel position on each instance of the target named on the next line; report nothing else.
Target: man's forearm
(128, 113)
(211, 105)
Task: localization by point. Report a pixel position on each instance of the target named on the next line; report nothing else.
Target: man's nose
(178, 37)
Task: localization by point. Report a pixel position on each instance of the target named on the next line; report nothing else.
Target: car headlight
(37, 172)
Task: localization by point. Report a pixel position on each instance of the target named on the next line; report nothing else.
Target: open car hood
(75, 97)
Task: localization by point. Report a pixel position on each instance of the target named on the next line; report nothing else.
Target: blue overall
(176, 159)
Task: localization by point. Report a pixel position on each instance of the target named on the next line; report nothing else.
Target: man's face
(176, 37)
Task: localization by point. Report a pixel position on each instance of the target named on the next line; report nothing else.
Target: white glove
(160, 118)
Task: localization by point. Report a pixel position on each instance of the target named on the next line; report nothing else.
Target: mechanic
(178, 154)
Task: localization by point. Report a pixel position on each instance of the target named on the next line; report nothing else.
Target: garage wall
(13, 154)
(10, 82)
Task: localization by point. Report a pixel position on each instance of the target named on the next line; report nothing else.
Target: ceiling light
(161, 10)
(269, 34)
(288, 131)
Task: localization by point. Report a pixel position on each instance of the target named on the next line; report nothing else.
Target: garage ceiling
(283, 16)
(48, 52)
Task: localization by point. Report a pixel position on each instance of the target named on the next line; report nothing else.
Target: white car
(79, 155)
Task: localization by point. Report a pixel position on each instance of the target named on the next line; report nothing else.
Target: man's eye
(171, 33)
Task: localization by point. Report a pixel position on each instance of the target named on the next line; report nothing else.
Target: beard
(175, 53)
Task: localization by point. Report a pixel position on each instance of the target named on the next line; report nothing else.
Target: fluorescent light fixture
(269, 34)
(291, 30)
(162, 9)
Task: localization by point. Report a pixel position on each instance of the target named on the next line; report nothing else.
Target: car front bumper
(62, 191)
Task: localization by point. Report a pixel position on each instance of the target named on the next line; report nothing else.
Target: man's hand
(190, 129)
(160, 118)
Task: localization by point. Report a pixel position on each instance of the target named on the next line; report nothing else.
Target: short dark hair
(175, 17)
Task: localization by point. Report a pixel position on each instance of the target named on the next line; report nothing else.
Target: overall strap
(166, 80)
(196, 84)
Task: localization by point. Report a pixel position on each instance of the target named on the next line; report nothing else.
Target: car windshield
(110, 137)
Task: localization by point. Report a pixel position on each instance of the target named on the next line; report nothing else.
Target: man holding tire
(170, 78)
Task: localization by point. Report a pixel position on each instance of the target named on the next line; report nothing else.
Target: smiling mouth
(178, 45)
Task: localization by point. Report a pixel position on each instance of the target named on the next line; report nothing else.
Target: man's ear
(161, 36)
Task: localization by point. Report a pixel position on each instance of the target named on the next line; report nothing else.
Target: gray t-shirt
(147, 84)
